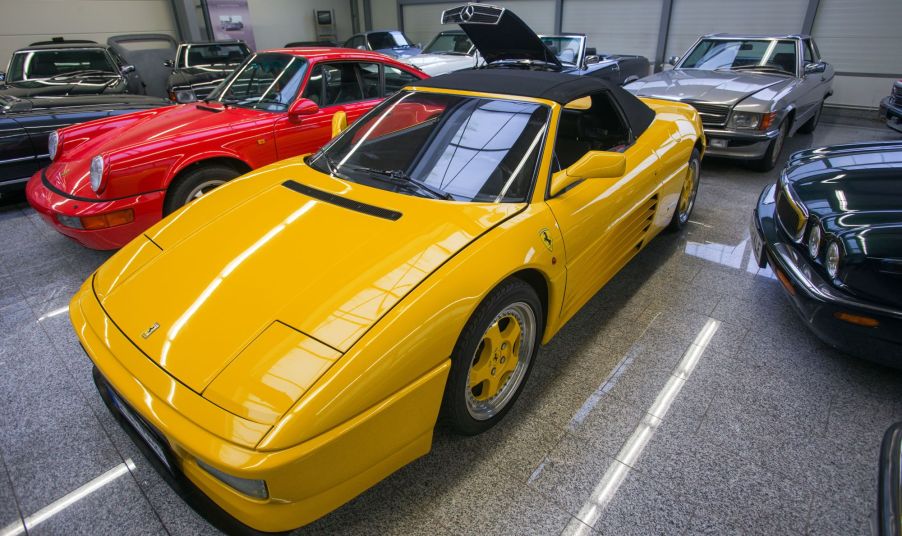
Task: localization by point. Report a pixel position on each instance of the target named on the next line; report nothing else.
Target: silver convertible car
(750, 91)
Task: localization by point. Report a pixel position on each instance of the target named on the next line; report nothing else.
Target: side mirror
(2, 76)
(672, 60)
(339, 122)
(592, 59)
(361, 47)
(169, 63)
(126, 69)
(592, 165)
(300, 108)
(814, 68)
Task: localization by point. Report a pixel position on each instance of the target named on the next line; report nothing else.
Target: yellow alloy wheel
(689, 192)
(500, 361)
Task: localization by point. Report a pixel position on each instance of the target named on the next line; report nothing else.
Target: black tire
(458, 399)
(184, 188)
(811, 124)
(772, 155)
(681, 215)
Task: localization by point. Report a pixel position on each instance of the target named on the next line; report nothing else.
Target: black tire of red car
(681, 217)
(772, 155)
(195, 183)
(455, 410)
(811, 124)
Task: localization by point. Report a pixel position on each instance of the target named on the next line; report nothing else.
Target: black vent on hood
(349, 204)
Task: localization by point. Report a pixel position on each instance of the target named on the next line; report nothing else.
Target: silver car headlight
(814, 240)
(745, 120)
(184, 96)
(253, 488)
(97, 169)
(834, 255)
(53, 143)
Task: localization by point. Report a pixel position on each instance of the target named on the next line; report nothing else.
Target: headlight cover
(745, 120)
(97, 169)
(814, 240)
(832, 261)
(53, 144)
(252, 488)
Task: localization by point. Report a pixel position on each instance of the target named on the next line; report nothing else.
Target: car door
(812, 87)
(334, 86)
(605, 221)
(17, 154)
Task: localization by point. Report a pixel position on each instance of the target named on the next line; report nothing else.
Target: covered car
(505, 41)
(412, 266)
(199, 67)
(753, 91)
(831, 230)
(112, 179)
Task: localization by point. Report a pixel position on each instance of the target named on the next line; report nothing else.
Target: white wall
(277, 22)
(23, 22)
(615, 26)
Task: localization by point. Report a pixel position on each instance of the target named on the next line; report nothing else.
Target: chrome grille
(713, 115)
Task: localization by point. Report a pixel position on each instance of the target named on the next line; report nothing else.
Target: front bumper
(737, 144)
(50, 204)
(892, 113)
(305, 481)
(817, 301)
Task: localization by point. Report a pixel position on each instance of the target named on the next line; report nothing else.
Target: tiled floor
(686, 398)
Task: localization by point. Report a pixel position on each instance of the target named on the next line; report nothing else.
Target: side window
(369, 76)
(338, 84)
(594, 125)
(396, 78)
(314, 89)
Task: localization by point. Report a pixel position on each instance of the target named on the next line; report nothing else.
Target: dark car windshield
(444, 146)
(449, 44)
(771, 55)
(268, 81)
(212, 55)
(43, 64)
(564, 47)
(383, 40)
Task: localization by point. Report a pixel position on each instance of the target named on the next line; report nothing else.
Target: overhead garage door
(615, 26)
(863, 41)
(423, 21)
(692, 18)
(39, 20)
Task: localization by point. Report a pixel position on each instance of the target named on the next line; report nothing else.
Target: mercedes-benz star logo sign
(467, 13)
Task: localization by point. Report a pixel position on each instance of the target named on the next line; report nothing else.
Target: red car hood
(187, 123)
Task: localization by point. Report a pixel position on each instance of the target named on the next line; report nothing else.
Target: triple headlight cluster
(816, 240)
(98, 164)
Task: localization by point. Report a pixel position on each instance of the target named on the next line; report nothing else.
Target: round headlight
(53, 143)
(814, 241)
(833, 256)
(96, 172)
(184, 96)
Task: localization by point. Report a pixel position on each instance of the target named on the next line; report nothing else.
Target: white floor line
(35, 519)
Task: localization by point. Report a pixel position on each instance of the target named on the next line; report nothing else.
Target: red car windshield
(268, 81)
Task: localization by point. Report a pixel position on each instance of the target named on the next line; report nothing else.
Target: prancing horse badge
(546, 239)
(150, 330)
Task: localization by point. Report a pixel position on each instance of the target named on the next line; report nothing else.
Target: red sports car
(113, 178)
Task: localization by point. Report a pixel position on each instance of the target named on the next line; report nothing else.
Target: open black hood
(499, 34)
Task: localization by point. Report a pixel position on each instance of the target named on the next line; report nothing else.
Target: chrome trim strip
(20, 159)
(815, 285)
(15, 181)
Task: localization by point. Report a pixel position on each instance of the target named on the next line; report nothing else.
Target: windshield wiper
(330, 164)
(758, 68)
(72, 74)
(400, 178)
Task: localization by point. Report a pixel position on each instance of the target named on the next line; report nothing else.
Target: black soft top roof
(558, 87)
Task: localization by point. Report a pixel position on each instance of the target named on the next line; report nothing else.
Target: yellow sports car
(289, 340)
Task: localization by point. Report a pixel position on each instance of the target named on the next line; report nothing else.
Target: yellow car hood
(258, 251)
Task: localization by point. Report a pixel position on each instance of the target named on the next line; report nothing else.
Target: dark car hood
(93, 85)
(499, 38)
(723, 87)
(115, 101)
(856, 192)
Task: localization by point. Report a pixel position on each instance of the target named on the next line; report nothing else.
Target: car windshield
(268, 81)
(443, 146)
(212, 55)
(383, 40)
(43, 64)
(771, 55)
(565, 48)
(450, 44)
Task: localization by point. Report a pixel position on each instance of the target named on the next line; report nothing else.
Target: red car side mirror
(300, 108)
